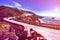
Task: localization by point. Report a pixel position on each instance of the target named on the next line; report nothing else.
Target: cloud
(9, 5)
(17, 4)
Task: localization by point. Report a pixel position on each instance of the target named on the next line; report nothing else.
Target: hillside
(11, 12)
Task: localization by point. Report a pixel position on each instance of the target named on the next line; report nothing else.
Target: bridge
(48, 33)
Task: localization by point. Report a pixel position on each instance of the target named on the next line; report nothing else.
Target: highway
(49, 34)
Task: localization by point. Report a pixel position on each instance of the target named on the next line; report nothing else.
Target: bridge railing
(55, 26)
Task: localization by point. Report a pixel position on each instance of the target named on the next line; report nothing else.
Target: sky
(38, 6)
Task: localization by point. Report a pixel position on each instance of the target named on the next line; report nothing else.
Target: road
(49, 34)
